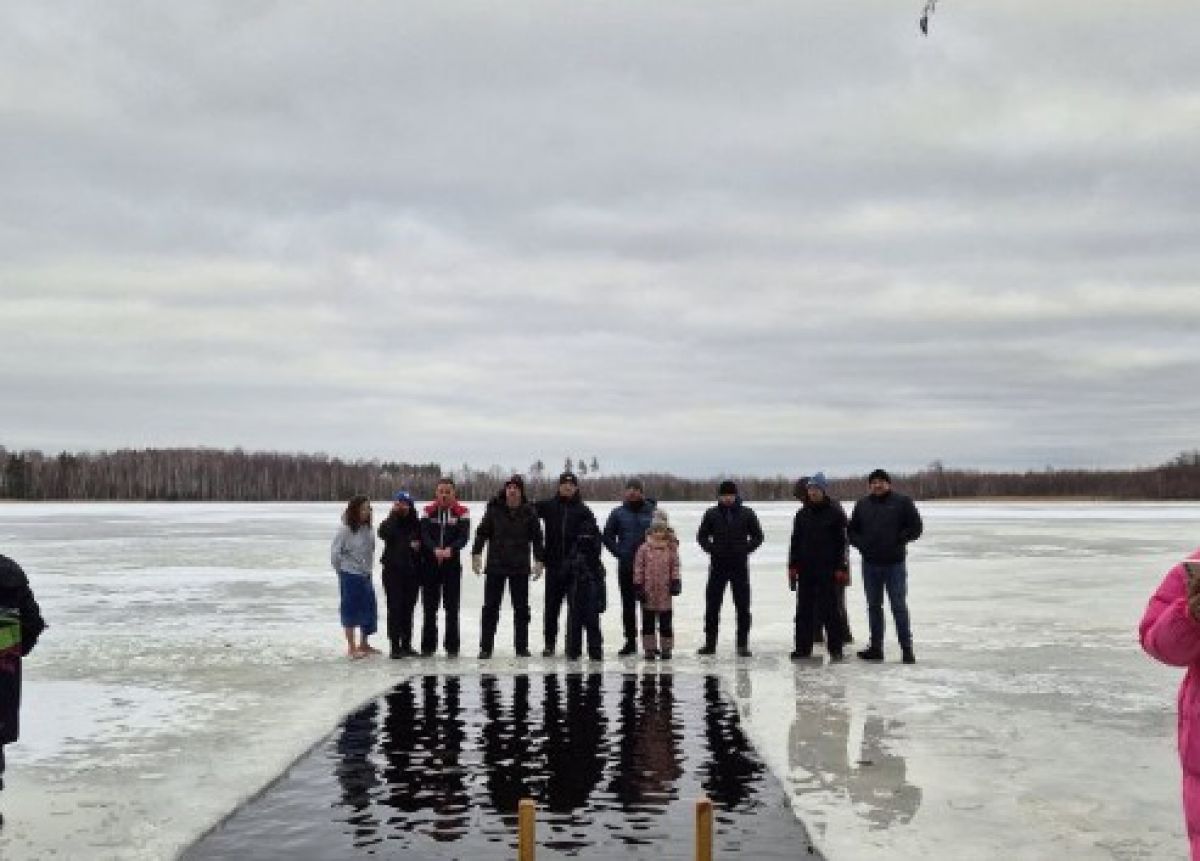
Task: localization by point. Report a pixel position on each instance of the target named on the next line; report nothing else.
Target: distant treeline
(201, 474)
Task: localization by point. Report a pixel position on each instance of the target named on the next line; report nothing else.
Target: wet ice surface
(436, 768)
(195, 654)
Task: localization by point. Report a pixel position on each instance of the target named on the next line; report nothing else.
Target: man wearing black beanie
(883, 524)
(729, 533)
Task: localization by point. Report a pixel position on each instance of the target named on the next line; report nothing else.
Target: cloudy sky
(705, 237)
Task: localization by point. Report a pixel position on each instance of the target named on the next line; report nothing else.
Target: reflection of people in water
(507, 745)
(818, 743)
(355, 772)
(880, 783)
(423, 747)
(575, 740)
(730, 770)
(655, 748)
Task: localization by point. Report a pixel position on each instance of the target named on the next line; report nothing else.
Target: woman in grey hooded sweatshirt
(353, 556)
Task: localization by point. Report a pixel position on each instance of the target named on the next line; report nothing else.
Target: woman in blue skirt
(353, 556)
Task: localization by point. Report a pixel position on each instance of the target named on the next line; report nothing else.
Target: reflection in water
(874, 782)
(356, 774)
(731, 769)
(435, 769)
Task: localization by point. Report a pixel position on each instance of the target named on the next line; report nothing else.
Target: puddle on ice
(436, 767)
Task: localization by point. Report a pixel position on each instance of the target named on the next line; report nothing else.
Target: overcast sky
(705, 237)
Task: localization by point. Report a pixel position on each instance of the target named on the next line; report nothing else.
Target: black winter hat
(569, 476)
(516, 480)
(635, 484)
(726, 487)
(879, 473)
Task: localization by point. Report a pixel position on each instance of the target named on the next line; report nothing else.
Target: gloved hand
(538, 569)
(676, 587)
(842, 576)
(640, 591)
(793, 577)
(477, 563)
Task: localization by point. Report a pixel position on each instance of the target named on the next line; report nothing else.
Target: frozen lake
(194, 654)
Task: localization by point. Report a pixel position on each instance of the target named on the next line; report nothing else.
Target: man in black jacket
(400, 533)
(445, 531)
(21, 624)
(511, 528)
(883, 524)
(566, 517)
(729, 533)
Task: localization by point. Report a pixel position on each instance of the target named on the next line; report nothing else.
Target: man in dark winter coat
(20, 626)
(817, 561)
(400, 533)
(510, 527)
(883, 524)
(445, 531)
(729, 533)
(624, 532)
(565, 517)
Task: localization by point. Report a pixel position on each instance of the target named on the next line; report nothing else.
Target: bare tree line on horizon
(216, 475)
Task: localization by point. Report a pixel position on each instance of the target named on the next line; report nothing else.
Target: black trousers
(557, 586)
(583, 614)
(628, 599)
(402, 587)
(663, 618)
(494, 580)
(441, 585)
(737, 576)
(816, 608)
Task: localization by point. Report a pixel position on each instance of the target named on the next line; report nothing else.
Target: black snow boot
(630, 648)
(396, 652)
(709, 648)
(874, 652)
(907, 652)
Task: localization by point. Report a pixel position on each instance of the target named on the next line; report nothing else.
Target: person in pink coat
(655, 580)
(1170, 632)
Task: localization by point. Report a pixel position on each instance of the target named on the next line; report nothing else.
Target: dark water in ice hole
(435, 768)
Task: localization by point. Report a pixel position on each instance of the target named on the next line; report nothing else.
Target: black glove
(676, 587)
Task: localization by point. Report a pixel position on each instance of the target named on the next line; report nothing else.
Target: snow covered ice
(194, 653)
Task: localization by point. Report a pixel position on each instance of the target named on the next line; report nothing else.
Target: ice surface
(194, 653)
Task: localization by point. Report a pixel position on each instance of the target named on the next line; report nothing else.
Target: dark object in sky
(930, 5)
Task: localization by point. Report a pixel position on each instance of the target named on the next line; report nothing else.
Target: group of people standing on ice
(560, 538)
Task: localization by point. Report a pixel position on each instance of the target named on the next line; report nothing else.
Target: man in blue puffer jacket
(623, 535)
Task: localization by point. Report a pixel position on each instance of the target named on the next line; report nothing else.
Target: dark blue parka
(626, 528)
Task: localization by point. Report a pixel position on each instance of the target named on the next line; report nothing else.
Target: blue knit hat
(819, 481)
(404, 496)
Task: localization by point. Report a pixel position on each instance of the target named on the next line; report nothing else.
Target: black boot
(396, 651)
(630, 648)
(743, 651)
(709, 648)
(908, 656)
(874, 652)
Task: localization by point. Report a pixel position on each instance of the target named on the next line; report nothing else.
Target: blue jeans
(892, 578)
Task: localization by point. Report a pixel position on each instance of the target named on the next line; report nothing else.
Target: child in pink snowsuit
(655, 580)
(1170, 632)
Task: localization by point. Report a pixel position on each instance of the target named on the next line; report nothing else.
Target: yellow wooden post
(526, 816)
(704, 830)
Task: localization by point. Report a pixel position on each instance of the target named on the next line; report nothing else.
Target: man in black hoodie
(881, 527)
(729, 533)
(400, 533)
(511, 527)
(566, 517)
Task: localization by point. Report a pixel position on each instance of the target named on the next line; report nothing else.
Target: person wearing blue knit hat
(400, 533)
